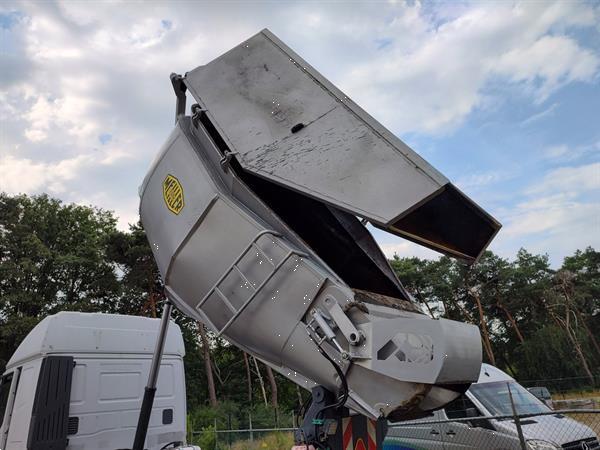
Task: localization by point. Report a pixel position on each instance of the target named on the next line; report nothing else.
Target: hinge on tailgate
(198, 114)
(226, 159)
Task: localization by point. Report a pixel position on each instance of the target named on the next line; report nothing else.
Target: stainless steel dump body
(252, 220)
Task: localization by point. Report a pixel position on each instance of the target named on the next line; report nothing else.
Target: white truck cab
(486, 399)
(77, 380)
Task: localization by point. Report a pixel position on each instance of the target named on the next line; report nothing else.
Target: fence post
(517, 420)
(230, 428)
(216, 434)
(250, 427)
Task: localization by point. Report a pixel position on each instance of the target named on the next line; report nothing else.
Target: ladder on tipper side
(255, 290)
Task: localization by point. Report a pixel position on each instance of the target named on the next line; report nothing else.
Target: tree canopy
(536, 322)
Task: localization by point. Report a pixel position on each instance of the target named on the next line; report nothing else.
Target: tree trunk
(260, 380)
(299, 394)
(468, 317)
(426, 303)
(149, 306)
(512, 321)
(273, 384)
(484, 330)
(588, 331)
(582, 357)
(248, 377)
(564, 282)
(153, 305)
(575, 343)
(212, 393)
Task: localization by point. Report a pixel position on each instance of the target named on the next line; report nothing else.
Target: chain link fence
(569, 429)
(571, 422)
(566, 393)
(253, 432)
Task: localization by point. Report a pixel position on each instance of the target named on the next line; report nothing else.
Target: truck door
(8, 386)
(476, 433)
(418, 434)
(50, 415)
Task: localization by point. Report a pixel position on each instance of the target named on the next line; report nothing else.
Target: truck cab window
(4, 392)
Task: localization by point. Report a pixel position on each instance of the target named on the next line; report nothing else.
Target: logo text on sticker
(173, 194)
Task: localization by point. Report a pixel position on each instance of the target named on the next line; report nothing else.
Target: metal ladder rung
(244, 277)
(258, 289)
(260, 250)
(225, 300)
(237, 260)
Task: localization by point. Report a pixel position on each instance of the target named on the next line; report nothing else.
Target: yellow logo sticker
(173, 194)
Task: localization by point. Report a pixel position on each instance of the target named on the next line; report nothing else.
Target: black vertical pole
(148, 401)
(524, 446)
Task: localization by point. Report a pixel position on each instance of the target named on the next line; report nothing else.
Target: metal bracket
(226, 159)
(352, 335)
(317, 429)
(196, 111)
(180, 88)
(319, 321)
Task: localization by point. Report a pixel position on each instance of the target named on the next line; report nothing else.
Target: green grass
(274, 441)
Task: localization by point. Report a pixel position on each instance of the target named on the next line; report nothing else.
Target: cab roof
(76, 333)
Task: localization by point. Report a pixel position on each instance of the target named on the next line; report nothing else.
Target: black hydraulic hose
(341, 400)
(302, 409)
(342, 376)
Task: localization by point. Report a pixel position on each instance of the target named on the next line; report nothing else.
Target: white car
(488, 398)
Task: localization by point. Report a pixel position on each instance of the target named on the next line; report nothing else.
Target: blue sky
(501, 97)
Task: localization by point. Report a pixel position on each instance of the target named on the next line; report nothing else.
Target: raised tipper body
(255, 211)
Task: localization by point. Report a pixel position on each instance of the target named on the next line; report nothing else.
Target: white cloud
(558, 215)
(556, 151)
(479, 180)
(556, 224)
(69, 113)
(541, 115)
(540, 214)
(27, 176)
(569, 62)
(570, 179)
(434, 86)
(563, 153)
(78, 72)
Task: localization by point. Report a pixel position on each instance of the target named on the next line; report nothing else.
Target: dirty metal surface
(285, 122)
